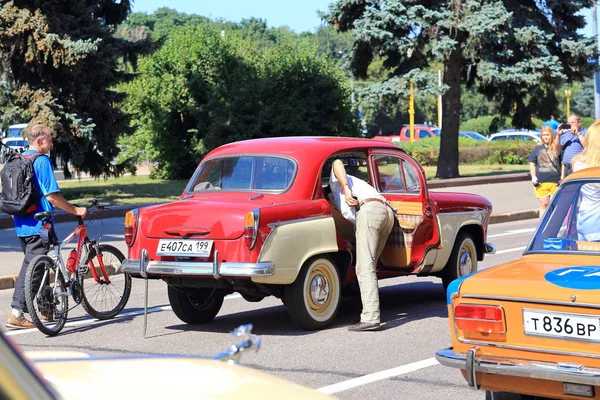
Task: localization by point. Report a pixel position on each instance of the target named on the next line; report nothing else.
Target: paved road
(394, 363)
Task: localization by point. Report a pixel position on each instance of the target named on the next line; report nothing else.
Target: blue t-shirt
(552, 123)
(45, 184)
(571, 145)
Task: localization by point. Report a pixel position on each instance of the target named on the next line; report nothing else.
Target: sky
(300, 16)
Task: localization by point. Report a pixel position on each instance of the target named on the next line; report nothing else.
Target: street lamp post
(568, 96)
(411, 112)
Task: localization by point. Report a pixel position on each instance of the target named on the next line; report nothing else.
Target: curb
(478, 180)
(8, 282)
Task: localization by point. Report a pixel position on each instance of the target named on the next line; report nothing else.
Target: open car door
(416, 230)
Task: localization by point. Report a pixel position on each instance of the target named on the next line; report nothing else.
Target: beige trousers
(374, 223)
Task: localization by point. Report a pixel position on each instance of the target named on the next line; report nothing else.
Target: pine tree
(514, 51)
(59, 63)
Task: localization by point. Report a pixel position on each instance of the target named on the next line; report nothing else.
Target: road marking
(92, 321)
(514, 232)
(509, 250)
(378, 376)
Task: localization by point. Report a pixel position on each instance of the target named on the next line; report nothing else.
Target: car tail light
(251, 228)
(480, 318)
(131, 222)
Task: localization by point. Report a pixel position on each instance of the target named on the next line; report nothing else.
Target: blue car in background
(472, 135)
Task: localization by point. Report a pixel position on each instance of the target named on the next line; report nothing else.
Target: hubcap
(465, 263)
(319, 289)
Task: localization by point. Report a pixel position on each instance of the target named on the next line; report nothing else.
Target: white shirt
(359, 188)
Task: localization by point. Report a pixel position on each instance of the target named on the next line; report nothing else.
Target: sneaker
(19, 323)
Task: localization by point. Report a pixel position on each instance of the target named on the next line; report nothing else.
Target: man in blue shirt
(552, 123)
(571, 139)
(27, 228)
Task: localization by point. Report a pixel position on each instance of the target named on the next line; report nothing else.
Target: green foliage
(510, 51)
(57, 66)
(203, 89)
(427, 152)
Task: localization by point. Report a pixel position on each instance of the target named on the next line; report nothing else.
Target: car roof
(300, 146)
(586, 173)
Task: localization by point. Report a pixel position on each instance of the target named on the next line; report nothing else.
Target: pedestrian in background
(570, 139)
(588, 217)
(552, 123)
(545, 168)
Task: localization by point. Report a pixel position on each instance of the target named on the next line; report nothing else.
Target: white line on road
(514, 232)
(92, 321)
(509, 250)
(377, 376)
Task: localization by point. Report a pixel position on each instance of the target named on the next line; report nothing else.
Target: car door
(401, 180)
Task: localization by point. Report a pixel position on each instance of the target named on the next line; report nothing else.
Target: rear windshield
(244, 173)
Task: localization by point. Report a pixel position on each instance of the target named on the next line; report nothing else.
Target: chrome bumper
(148, 269)
(561, 372)
(490, 248)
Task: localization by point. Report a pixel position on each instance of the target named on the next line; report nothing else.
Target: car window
(571, 222)
(396, 175)
(423, 134)
(355, 164)
(240, 173)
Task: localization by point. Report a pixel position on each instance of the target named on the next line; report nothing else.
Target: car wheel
(504, 396)
(314, 298)
(463, 259)
(195, 306)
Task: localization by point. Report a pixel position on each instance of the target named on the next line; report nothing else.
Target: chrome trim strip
(215, 271)
(274, 225)
(205, 269)
(532, 301)
(560, 372)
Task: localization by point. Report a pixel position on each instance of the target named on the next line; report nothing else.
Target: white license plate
(184, 247)
(561, 325)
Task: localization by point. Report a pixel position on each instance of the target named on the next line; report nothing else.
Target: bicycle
(92, 277)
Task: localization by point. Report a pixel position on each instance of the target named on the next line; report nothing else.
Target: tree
(205, 88)
(505, 49)
(58, 64)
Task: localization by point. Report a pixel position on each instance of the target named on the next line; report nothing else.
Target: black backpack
(19, 195)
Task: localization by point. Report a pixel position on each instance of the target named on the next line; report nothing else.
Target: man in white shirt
(373, 220)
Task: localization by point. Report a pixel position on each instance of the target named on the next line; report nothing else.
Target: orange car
(531, 327)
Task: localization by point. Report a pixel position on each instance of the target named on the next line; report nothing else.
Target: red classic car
(253, 219)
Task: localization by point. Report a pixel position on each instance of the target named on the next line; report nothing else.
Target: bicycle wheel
(46, 297)
(100, 299)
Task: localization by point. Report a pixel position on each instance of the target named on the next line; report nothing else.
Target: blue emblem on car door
(585, 278)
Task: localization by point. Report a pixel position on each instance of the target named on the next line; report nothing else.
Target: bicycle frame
(83, 242)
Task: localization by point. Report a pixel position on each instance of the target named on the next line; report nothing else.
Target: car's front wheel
(313, 299)
(195, 306)
(463, 259)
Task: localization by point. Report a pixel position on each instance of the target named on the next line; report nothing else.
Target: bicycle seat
(42, 215)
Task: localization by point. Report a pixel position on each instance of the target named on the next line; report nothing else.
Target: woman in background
(588, 217)
(544, 167)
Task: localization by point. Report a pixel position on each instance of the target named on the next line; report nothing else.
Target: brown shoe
(19, 323)
(365, 326)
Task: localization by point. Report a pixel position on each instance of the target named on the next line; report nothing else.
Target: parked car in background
(14, 131)
(255, 219)
(74, 375)
(521, 135)
(15, 144)
(531, 327)
(472, 135)
(421, 132)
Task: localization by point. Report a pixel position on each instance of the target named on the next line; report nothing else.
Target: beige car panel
(450, 224)
(291, 243)
(154, 378)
